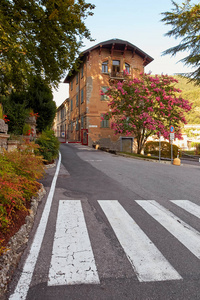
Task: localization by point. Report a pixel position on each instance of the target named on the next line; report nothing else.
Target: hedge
(152, 147)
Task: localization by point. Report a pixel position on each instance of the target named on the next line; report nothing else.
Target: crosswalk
(73, 260)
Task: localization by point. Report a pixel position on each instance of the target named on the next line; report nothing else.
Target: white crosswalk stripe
(72, 258)
(147, 261)
(187, 235)
(189, 206)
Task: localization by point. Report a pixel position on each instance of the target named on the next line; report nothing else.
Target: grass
(190, 152)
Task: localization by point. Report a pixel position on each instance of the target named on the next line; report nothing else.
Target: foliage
(37, 99)
(40, 38)
(48, 145)
(191, 92)
(145, 106)
(19, 172)
(26, 129)
(40, 99)
(184, 20)
(197, 146)
(152, 147)
(1, 111)
(15, 108)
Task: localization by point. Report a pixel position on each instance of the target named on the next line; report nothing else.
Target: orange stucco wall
(92, 107)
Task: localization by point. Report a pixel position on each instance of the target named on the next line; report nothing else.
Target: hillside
(190, 92)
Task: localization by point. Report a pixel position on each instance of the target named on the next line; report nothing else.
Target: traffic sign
(171, 136)
(171, 128)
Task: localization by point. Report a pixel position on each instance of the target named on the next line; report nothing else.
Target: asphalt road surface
(113, 228)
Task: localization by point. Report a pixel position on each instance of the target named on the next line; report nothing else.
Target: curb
(146, 159)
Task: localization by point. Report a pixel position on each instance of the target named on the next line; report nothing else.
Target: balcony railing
(117, 75)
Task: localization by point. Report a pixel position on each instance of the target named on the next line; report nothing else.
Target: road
(112, 227)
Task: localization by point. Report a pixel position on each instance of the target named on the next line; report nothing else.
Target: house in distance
(101, 64)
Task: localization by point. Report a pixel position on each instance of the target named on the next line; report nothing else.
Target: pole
(159, 147)
(171, 151)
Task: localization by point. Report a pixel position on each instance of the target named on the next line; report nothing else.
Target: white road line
(88, 149)
(147, 261)
(22, 287)
(187, 235)
(93, 160)
(72, 259)
(189, 206)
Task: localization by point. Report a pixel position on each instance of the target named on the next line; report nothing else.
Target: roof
(116, 45)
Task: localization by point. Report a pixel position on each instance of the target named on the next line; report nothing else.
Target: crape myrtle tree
(184, 20)
(145, 106)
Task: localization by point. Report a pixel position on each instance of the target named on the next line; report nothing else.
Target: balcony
(117, 75)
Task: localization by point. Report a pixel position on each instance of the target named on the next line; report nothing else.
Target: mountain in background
(191, 92)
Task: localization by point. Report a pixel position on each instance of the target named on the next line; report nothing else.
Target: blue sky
(138, 22)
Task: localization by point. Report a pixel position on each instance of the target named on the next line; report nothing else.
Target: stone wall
(3, 135)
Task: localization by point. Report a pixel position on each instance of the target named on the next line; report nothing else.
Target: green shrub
(197, 146)
(26, 129)
(48, 145)
(1, 111)
(152, 147)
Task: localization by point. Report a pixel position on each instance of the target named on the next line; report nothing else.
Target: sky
(135, 21)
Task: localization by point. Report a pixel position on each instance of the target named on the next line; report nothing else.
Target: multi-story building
(61, 120)
(101, 64)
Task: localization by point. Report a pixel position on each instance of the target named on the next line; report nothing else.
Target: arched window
(105, 67)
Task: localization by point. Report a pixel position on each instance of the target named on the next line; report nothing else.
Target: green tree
(39, 37)
(14, 106)
(185, 23)
(40, 98)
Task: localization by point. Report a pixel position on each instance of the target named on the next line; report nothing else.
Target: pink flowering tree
(146, 106)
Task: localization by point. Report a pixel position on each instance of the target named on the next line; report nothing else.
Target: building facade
(100, 65)
(61, 120)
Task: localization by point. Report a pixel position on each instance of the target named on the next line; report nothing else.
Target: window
(115, 68)
(77, 125)
(127, 68)
(77, 100)
(71, 104)
(76, 78)
(82, 71)
(71, 126)
(82, 122)
(57, 115)
(105, 67)
(104, 123)
(71, 85)
(104, 90)
(82, 96)
(62, 113)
